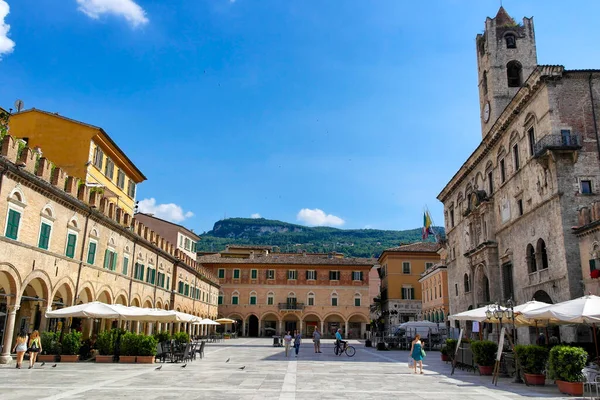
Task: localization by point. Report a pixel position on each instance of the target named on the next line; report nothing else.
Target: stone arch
(136, 301)
(514, 138)
(18, 195)
(542, 296)
(482, 284)
(478, 180)
(270, 313)
(360, 316)
(121, 297)
(530, 258)
(235, 316)
(159, 304)
(514, 73)
(10, 281)
(64, 290)
(105, 295)
(43, 278)
(86, 292)
(501, 152)
(48, 211)
(166, 306)
(542, 253)
(148, 303)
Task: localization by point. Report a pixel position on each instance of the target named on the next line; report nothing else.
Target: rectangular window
(71, 241)
(334, 301)
(311, 275)
(98, 158)
(125, 264)
(408, 293)
(91, 253)
(44, 241)
(180, 288)
(110, 260)
(270, 300)
(334, 275)
(490, 182)
(121, 179)
(12, 226)
(456, 288)
(187, 244)
(187, 289)
(428, 265)
(508, 281)
(270, 274)
(406, 267)
(254, 274)
(357, 301)
(138, 272)
(236, 274)
(311, 301)
(235, 300)
(168, 283)
(520, 206)
(516, 157)
(531, 138)
(221, 273)
(252, 300)
(592, 265)
(452, 218)
(357, 276)
(220, 300)
(131, 189)
(292, 274)
(502, 171)
(109, 169)
(586, 187)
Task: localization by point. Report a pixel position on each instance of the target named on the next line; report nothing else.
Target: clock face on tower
(486, 111)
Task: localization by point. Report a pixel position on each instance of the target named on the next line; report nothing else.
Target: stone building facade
(434, 289)
(184, 239)
(588, 233)
(509, 209)
(62, 244)
(269, 292)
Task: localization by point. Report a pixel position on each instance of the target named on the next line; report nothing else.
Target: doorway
(253, 326)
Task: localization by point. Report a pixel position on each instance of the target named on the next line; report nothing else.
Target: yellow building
(83, 151)
(400, 271)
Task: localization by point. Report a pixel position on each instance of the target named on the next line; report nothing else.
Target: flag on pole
(426, 225)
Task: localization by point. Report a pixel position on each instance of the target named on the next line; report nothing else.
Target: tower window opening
(511, 41)
(513, 73)
(484, 83)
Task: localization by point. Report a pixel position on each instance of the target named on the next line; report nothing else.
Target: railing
(291, 306)
(557, 142)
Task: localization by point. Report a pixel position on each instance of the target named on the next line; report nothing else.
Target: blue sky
(363, 110)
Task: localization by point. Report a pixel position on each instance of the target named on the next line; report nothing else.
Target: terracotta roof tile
(425, 247)
(296, 259)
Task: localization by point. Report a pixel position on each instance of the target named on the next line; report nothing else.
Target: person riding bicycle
(338, 341)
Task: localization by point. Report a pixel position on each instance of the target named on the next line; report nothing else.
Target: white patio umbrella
(94, 309)
(206, 321)
(479, 314)
(225, 321)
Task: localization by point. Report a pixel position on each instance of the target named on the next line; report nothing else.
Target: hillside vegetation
(291, 237)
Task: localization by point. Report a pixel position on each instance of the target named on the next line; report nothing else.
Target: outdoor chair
(592, 380)
(187, 354)
(159, 352)
(201, 350)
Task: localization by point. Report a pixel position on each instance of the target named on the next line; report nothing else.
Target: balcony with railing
(558, 142)
(291, 306)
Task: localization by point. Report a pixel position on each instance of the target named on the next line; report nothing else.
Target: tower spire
(502, 18)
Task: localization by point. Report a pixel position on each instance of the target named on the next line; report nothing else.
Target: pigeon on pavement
(184, 365)
(54, 366)
(43, 363)
(228, 360)
(158, 369)
(243, 367)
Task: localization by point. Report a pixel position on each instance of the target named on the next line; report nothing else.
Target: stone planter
(104, 359)
(46, 357)
(368, 343)
(445, 357)
(535, 379)
(69, 358)
(572, 388)
(127, 359)
(145, 359)
(486, 370)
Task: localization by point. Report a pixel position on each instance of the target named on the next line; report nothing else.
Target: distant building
(588, 233)
(270, 292)
(83, 151)
(400, 271)
(434, 289)
(184, 238)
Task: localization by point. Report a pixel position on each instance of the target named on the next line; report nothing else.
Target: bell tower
(506, 56)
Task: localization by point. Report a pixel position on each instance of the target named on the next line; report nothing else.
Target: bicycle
(349, 350)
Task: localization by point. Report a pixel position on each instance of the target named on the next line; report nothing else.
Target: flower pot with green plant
(484, 354)
(181, 337)
(71, 343)
(146, 349)
(163, 336)
(105, 343)
(50, 346)
(129, 348)
(450, 348)
(532, 359)
(565, 364)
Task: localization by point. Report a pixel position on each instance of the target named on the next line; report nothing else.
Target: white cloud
(171, 212)
(6, 45)
(128, 9)
(255, 215)
(317, 217)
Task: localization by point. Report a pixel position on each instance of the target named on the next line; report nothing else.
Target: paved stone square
(370, 374)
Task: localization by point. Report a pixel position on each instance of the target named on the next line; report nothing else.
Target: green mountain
(292, 238)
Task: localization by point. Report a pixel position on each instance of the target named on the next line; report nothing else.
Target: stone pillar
(322, 327)
(281, 332)
(148, 328)
(5, 357)
(301, 327)
(136, 327)
(44, 321)
(346, 330)
(244, 327)
(260, 331)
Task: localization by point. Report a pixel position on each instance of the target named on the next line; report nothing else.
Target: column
(244, 327)
(5, 357)
(148, 328)
(301, 327)
(322, 326)
(281, 332)
(346, 330)
(44, 321)
(260, 332)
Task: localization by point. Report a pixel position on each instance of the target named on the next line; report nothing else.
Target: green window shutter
(44, 236)
(357, 301)
(234, 300)
(361, 275)
(141, 278)
(220, 300)
(253, 300)
(412, 293)
(221, 273)
(71, 241)
(592, 265)
(125, 262)
(12, 227)
(402, 297)
(114, 261)
(168, 281)
(153, 276)
(106, 259)
(254, 274)
(236, 274)
(91, 253)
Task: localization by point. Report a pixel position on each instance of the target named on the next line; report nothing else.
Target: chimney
(252, 254)
(303, 253)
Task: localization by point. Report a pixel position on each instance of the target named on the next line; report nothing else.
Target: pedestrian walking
(297, 341)
(417, 353)
(287, 340)
(35, 346)
(20, 347)
(317, 340)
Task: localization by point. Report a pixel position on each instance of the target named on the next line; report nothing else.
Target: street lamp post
(511, 312)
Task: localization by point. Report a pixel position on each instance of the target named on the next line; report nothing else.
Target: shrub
(532, 358)
(147, 345)
(50, 343)
(451, 347)
(71, 343)
(181, 337)
(484, 352)
(129, 344)
(565, 363)
(105, 343)
(162, 336)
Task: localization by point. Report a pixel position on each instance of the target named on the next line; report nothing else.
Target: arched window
(310, 300)
(46, 223)
(270, 298)
(513, 73)
(511, 41)
(467, 285)
(531, 266)
(334, 299)
(541, 250)
(435, 290)
(357, 299)
(486, 292)
(252, 297)
(484, 83)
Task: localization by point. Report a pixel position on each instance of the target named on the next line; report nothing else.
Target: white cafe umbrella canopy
(583, 310)
(94, 309)
(101, 310)
(225, 321)
(479, 314)
(206, 321)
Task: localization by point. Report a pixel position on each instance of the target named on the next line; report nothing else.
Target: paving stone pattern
(370, 374)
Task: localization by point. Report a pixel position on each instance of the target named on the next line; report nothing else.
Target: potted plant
(105, 343)
(146, 349)
(162, 336)
(484, 354)
(444, 353)
(450, 348)
(181, 337)
(129, 348)
(533, 362)
(565, 365)
(50, 347)
(71, 344)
